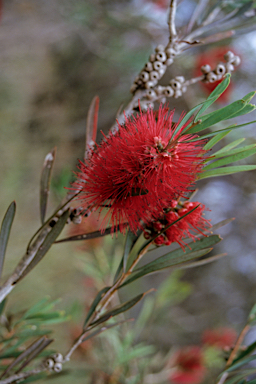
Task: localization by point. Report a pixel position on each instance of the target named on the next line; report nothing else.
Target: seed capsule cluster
(54, 362)
(175, 89)
(210, 76)
(155, 68)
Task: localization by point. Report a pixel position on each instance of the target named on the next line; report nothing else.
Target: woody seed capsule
(229, 56)
(169, 92)
(161, 56)
(154, 75)
(157, 65)
(148, 66)
(175, 84)
(211, 77)
(144, 76)
(220, 69)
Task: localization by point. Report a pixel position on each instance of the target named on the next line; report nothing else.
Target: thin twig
(171, 20)
(237, 345)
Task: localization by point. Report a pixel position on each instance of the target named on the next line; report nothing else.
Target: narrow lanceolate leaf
(5, 232)
(193, 250)
(215, 140)
(94, 305)
(36, 346)
(47, 243)
(226, 171)
(91, 124)
(204, 105)
(215, 94)
(120, 309)
(130, 240)
(234, 151)
(45, 182)
(221, 114)
(86, 236)
(230, 146)
(231, 159)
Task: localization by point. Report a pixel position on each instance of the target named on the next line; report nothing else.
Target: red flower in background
(188, 366)
(212, 57)
(220, 337)
(137, 171)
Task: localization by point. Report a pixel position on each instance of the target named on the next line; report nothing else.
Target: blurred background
(55, 57)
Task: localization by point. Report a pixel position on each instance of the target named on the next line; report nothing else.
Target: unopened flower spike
(139, 170)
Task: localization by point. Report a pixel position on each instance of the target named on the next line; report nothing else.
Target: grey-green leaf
(47, 243)
(45, 182)
(5, 232)
(194, 250)
(120, 309)
(94, 305)
(226, 171)
(231, 159)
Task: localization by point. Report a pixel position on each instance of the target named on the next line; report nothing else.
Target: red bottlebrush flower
(188, 226)
(189, 366)
(138, 171)
(220, 337)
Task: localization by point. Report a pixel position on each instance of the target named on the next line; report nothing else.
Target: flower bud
(229, 56)
(206, 69)
(159, 48)
(170, 52)
(180, 79)
(168, 61)
(159, 89)
(149, 84)
(230, 67)
(236, 61)
(177, 94)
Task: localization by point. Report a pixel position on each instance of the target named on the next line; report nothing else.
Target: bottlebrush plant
(141, 179)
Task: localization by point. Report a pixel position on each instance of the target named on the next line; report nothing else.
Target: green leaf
(215, 140)
(5, 232)
(120, 309)
(47, 243)
(205, 104)
(130, 240)
(234, 151)
(38, 307)
(194, 250)
(37, 346)
(45, 182)
(91, 235)
(215, 94)
(226, 171)
(221, 114)
(92, 123)
(240, 363)
(247, 109)
(94, 305)
(252, 314)
(230, 146)
(246, 352)
(230, 159)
